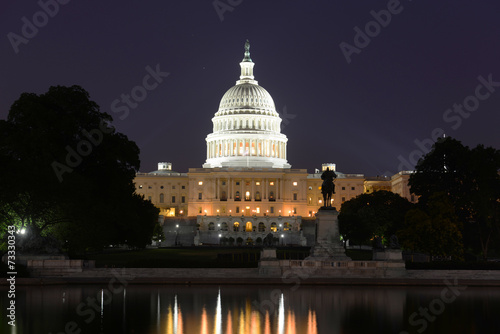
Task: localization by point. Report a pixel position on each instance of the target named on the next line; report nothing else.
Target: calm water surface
(252, 309)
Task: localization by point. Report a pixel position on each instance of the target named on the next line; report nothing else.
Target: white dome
(247, 98)
(246, 128)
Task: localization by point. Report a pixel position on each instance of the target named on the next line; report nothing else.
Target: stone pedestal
(388, 255)
(269, 265)
(328, 246)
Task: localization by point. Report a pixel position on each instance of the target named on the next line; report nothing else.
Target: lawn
(196, 257)
(179, 258)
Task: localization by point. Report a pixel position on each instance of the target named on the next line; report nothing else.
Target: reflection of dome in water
(246, 128)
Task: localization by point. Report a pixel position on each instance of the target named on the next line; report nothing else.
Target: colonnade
(246, 147)
(246, 123)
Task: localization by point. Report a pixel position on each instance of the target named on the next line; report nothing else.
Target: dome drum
(246, 122)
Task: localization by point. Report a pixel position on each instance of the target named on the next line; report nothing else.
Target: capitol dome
(246, 128)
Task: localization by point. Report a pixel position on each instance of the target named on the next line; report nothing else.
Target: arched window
(257, 196)
(211, 226)
(223, 226)
(223, 196)
(262, 227)
(248, 227)
(271, 196)
(236, 227)
(287, 227)
(273, 227)
(247, 196)
(162, 198)
(237, 196)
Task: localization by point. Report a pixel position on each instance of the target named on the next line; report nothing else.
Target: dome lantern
(247, 67)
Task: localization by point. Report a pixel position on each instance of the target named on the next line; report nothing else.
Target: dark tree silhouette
(66, 173)
(470, 179)
(380, 213)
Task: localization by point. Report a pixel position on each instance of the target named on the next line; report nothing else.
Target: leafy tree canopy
(471, 180)
(380, 213)
(67, 173)
(433, 229)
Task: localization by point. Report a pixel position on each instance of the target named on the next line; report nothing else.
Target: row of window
(257, 210)
(237, 197)
(343, 188)
(162, 198)
(250, 228)
(161, 187)
(257, 183)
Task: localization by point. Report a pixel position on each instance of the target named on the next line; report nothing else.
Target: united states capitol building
(246, 189)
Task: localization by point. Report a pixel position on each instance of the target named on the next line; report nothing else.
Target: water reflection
(248, 309)
(248, 319)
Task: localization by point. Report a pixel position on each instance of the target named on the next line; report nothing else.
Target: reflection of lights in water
(102, 303)
(267, 324)
(176, 314)
(174, 319)
(179, 330)
(290, 328)
(242, 320)
(281, 316)
(218, 316)
(124, 322)
(229, 328)
(204, 321)
(158, 311)
(248, 314)
(312, 326)
(255, 326)
(170, 322)
(242, 323)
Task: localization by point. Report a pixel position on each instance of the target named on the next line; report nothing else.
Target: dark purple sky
(364, 115)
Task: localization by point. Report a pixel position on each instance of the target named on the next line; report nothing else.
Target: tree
(470, 179)
(158, 234)
(434, 230)
(66, 172)
(380, 213)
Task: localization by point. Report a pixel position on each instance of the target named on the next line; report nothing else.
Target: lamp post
(176, 233)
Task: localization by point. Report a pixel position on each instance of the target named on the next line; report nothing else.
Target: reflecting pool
(252, 309)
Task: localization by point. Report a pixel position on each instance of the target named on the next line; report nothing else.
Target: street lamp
(176, 234)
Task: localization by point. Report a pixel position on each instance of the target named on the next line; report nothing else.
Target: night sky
(365, 115)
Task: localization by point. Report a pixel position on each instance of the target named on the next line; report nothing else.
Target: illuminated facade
(246, 188)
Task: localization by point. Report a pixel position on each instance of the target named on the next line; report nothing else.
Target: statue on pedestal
(328, 188)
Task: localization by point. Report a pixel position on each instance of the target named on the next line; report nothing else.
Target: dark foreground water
(252, 309)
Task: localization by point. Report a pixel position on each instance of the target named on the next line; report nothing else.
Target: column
(252, 193)
(281, 187)
(265, 188)
(216, 188)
